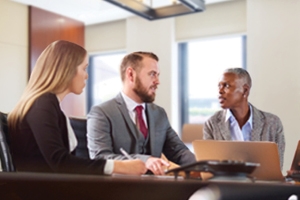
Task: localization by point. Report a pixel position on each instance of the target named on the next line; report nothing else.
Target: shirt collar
(230, 115)
(130, 103)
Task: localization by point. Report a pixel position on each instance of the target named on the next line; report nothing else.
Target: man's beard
(142, 92)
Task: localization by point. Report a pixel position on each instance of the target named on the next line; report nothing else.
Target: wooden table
(21, 185)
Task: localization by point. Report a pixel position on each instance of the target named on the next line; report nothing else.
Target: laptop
(264, 153)
(294, 172)
(296, 161)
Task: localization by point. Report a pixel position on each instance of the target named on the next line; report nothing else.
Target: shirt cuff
(144, 158)
(109, 167)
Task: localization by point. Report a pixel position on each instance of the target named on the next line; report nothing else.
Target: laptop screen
(264, 153)
(296, 161)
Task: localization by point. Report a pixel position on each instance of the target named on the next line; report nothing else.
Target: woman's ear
(246, 91)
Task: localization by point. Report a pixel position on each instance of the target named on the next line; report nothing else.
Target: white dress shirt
(236, 132)
(131, 104)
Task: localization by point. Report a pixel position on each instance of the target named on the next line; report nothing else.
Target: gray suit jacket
(266, 127)
(109, 128)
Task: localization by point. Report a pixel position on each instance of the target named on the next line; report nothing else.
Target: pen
(126, 154)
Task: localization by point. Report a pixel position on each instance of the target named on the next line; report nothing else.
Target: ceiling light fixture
(147, 9)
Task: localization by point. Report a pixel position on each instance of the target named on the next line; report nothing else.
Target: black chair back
(5, 155)
(79, 127)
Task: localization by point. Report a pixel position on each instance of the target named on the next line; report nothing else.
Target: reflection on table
(17, 185)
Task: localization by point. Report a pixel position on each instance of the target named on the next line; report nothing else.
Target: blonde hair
(53, 72)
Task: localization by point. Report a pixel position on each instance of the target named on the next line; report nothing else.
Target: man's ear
(130, 74)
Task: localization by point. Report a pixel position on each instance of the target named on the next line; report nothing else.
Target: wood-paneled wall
(46, 27)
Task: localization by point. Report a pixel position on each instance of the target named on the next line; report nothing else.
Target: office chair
(191, 132)
(5, 155)
(79, 127)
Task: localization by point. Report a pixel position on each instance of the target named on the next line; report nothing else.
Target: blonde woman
(41, 138)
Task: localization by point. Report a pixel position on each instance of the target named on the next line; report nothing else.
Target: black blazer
(40, 142)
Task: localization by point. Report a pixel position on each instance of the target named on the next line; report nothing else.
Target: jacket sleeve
(280, 140)
(174, 149)
(208, 130)
(46, 120)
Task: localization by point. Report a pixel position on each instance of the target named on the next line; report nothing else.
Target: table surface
(23, 185)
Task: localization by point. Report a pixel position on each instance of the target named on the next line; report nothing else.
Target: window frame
(89, 89)
(183, 67)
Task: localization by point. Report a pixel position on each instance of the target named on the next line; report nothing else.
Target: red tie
(140, 121)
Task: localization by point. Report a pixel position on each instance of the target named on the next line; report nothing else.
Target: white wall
(218, 19)
(106, 37)
(13, 52)
(273, 30)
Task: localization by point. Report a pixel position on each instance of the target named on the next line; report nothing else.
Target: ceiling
(87, 11)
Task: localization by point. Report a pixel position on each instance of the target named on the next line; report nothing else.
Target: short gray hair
(241, 73)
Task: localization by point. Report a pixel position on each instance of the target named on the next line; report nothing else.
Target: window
(201, 65)
(104, 80)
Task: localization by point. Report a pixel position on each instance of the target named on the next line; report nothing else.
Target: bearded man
(132, 121)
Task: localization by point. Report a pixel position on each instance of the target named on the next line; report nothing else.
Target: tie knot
(139, 109)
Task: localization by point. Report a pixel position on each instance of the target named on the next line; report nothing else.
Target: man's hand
(156, 165)
(136, 167)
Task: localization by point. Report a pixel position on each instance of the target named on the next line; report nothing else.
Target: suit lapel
(224, 127)
(151, 127)
(257, 123)
(123, 109)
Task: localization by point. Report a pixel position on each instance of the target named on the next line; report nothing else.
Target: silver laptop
(296, 161)
(294, 172)
(264, 153)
